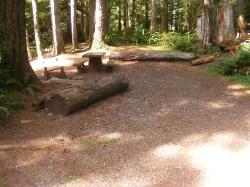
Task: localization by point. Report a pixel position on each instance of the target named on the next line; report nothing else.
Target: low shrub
(177, 41)
(234, 66)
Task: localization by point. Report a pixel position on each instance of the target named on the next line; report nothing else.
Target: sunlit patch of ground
(239, 90)
(173, 127)
(133, 48)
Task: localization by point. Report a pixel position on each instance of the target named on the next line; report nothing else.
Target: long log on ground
(152, 56)
(70, 100)
(202, 60)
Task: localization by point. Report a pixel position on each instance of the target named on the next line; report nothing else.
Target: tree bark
(36, 30)
(120, 16)
(106, 17)
(73, 25)
(98, 33)
(203, 26)
(152, 56)
(153, 16)
(70, 100)
(241, 19)
(92, 9)
(133, 9)
(125, 18)
(13, 49)
(147, 21)
(164, 17)
(58, 43)
(202, 60)
(225, 22)
(28, 46)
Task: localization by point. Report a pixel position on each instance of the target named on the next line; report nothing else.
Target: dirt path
(174, 127)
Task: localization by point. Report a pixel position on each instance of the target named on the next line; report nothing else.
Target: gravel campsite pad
(174, 126)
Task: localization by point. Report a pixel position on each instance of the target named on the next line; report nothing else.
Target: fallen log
(202, 60)
(152, 56)
(72, 99)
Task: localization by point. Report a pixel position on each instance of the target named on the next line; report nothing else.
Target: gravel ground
(174, 127)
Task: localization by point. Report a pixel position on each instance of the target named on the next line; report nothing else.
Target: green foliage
(234, 66)
(3, 109)
(245, 46)
(11, 91)
(177, 41)
(10, 101)
(24, 86)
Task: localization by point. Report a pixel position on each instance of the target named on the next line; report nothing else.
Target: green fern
(3, 110)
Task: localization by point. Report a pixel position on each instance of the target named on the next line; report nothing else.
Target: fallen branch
(202, 60)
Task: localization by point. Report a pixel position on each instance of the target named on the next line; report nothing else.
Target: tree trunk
(58, 44)
(73, 25)
(120, 16)
(203, 26)
(98, 33)
(241, 19)
(125, 17)
(152, 56)
(70, 100)
(106, 15)
(147, 21)
(153, 16)
(36, 30)
(225, 23)
(28, 46)
(133, 9)
(164, 17)
(13, 49)
(92, 9)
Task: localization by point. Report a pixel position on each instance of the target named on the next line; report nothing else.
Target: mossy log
(152, 56)
(79, 96)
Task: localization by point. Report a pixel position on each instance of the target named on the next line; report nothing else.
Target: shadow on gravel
(173, 127)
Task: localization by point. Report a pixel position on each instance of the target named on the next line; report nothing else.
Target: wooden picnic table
(95, 60)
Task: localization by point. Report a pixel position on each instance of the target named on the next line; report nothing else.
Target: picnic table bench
(48, 72)
(95, 60)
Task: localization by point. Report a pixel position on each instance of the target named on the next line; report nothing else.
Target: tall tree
(225, 22)
(73, 24)
(120, 16)
(98, 33)
(125, 17)
(58, 43)
(147, 21)
(91, 17)
(153, 16)
(241, 18)
(204, 24)
(164, 17)
(13, 47)
(36, 30)
(106, 17)
(133, 10)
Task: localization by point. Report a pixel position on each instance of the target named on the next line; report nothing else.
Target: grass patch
(91, 143)
(69, 178)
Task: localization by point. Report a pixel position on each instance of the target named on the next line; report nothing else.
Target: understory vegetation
(13, 92)
(185, 42)
(235, 68)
